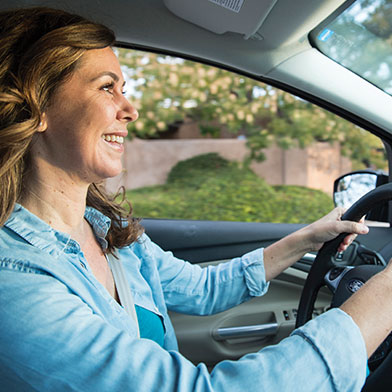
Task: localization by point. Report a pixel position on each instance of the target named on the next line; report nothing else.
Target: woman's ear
(42, 124)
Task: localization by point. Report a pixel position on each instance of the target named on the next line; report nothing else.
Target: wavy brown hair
(39, 50)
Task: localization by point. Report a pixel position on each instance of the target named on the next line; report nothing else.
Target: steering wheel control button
(339, 256)
(335, 272)
(334, 276)
(346, 257)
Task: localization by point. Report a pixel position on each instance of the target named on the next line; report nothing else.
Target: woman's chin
(108, 173)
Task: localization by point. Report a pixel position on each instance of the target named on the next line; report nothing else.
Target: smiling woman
(84, 294)
(56, 89)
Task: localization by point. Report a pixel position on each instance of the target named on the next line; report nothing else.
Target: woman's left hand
(330, 226)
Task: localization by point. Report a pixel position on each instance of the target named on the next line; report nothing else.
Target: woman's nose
(127, 112)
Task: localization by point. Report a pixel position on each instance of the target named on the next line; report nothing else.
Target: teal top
(150, 325)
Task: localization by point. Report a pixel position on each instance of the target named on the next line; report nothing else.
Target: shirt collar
(41, 235)
(100, 224)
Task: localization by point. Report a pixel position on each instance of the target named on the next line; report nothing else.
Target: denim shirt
(60, 330)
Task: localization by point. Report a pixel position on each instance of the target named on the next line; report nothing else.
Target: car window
(213, 145)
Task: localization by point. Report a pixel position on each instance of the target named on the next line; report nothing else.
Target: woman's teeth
(113, 138)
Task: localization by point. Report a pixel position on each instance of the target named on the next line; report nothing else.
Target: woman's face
(86, 122)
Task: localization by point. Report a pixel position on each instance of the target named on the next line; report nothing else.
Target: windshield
(360, 39)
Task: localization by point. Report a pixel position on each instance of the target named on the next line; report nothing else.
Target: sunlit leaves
(168, 90)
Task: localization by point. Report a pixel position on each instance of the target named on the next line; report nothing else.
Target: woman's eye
(108, 88)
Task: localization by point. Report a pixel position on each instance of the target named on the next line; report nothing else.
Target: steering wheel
(344, 281)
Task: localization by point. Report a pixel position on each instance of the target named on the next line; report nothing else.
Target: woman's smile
(114, 141)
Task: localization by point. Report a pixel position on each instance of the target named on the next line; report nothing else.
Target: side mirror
(352, 186)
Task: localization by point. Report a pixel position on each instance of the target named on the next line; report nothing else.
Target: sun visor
(222, 16)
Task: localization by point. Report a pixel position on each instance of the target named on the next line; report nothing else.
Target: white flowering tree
(168, 90)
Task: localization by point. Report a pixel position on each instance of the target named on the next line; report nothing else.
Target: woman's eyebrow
(114, 76)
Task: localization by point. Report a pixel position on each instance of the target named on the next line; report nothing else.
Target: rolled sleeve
(344, 355)
(192, 289)
(254, 272)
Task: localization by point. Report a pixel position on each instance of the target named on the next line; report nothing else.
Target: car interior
(313, 50)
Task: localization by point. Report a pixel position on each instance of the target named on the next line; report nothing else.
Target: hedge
(208, 187)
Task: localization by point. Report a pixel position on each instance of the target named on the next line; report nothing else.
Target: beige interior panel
(199, 338)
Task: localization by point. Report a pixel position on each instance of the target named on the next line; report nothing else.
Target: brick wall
(148, 162)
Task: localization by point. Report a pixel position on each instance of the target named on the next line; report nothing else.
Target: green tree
(168, 90)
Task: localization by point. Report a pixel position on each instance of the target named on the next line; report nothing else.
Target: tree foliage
(168, 90)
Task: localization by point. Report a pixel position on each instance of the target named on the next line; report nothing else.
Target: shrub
(208, 187)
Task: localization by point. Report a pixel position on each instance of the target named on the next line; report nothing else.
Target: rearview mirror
(352, 186)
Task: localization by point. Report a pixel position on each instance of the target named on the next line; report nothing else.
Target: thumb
(353, 227)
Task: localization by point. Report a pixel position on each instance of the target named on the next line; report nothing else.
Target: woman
(70, 256)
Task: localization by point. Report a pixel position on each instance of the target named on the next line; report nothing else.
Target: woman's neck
(60, 205)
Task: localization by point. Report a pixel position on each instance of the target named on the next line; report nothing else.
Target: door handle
(248, 331)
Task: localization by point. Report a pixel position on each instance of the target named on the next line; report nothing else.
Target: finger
(342, 248)
(354, 227)
(347, 241)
